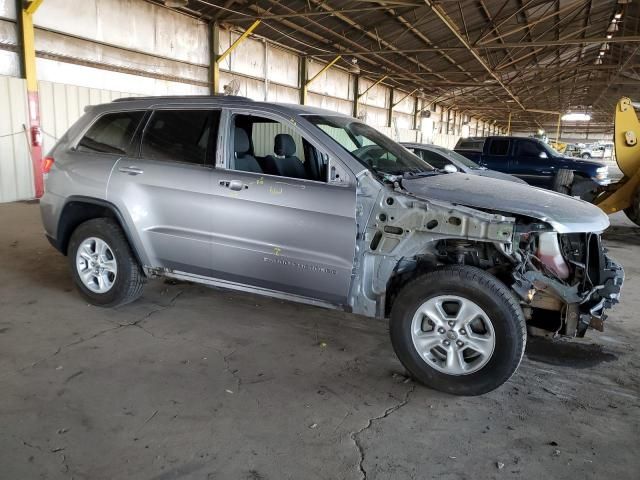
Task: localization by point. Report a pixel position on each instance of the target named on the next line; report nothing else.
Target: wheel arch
(79, 209)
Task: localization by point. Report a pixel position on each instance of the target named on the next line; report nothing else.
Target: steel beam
(28, 57)
(306, 83)
(218, 59)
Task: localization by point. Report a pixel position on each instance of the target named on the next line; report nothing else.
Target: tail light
(47, 163)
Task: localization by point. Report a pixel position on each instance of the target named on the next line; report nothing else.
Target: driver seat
(286, 164)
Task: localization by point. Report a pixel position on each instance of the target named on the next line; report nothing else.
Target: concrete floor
(195, 383)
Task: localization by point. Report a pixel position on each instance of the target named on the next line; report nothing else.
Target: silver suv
(316, 207)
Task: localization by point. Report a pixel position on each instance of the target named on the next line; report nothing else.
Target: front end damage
(565, 282)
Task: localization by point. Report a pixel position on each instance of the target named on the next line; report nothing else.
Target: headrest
(284, 146)
(241, 141)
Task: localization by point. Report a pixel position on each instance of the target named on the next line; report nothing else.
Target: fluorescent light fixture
(609, 36)
(601, 53)
(618, 16)
(576, 117)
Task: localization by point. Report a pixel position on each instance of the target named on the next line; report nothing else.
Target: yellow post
(29, 70)
(219, 58)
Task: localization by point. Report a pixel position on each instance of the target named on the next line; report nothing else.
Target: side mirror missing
(450, 168)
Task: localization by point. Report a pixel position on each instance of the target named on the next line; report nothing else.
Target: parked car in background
(594, 151)
(440, 157)
(312, 206)
(536, 163)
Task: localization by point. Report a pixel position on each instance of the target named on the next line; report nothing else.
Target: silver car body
(303, 240)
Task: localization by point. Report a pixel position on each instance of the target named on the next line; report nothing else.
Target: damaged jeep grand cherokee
(316, 207)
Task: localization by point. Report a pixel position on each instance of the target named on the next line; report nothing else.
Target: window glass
(264, 145)
(499, 147)
(433, 159)
(111, 133)
(528, 149)
(179, 135)
(380, 154)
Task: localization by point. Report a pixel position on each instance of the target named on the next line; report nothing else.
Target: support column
(214, 48)
(558, 130)
(356, 95)
(390, 110)
(28, 63)
(509, 125)
(302, 75)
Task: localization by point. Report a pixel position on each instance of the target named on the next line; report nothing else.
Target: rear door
(532, 164)
(294, 235)
(165, 188)
(496, 155)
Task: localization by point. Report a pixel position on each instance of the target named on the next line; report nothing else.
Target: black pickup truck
(536, 163)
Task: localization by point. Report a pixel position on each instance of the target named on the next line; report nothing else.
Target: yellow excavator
(625, 194)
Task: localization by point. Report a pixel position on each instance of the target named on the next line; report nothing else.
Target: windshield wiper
(421, 173)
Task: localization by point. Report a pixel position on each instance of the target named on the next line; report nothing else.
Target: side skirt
(190, 277)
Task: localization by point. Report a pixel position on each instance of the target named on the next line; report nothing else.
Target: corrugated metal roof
(484, 57)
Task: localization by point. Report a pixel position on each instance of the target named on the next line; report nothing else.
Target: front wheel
(458, 329)
(586, 156)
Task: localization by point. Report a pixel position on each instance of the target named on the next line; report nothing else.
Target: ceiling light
(612, 28)
(576, 117)
(601, 53)
(176, 3)
(609, 36)
(598, 61)
(617, 16)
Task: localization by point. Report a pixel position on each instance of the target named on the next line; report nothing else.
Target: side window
(263, 145)
(180, 136)
(526, 148)
(435, 160)
(499, 147)
(111, 133)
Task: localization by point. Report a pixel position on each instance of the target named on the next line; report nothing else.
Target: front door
(278, 223)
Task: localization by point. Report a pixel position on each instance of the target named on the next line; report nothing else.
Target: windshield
(370, 147)
(460, 158)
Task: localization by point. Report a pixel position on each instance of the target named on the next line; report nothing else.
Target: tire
(633, 212)
(586, 156)
(562, 181)
(497, 304)
(121, 280)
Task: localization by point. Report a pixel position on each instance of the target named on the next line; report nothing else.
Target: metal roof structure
(532, 58)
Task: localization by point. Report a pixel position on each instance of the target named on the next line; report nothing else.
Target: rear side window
(435, 160)
(499, 147)
(111, 133)
(527, 148)
(179, 135)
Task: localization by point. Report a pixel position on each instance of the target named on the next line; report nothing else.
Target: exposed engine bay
(564, 281)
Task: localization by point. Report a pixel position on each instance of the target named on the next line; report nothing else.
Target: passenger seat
(241, 145)
(286, 164)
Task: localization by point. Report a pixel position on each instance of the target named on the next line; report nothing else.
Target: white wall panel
(282, 66)
(247, 58)
(329, 103)
(249, 87)
(8, 8)
(16, 168)
(61, 105)
(60, 72)
(334, 82)
(376, 97)
(131, 24)
(278, 93)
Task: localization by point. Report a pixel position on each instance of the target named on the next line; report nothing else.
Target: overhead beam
(449, 24)
(498, 46)
(218, 59)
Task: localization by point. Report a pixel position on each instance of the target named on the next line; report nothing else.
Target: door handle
(131, 170)
(235, 185)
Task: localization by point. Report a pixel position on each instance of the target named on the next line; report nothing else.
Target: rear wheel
(586, 156)
(633, 212)
(102, 264)
(459, 330)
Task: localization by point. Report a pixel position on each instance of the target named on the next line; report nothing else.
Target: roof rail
(180, 97)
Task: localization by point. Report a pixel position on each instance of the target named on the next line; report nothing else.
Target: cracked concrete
(197, 383)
